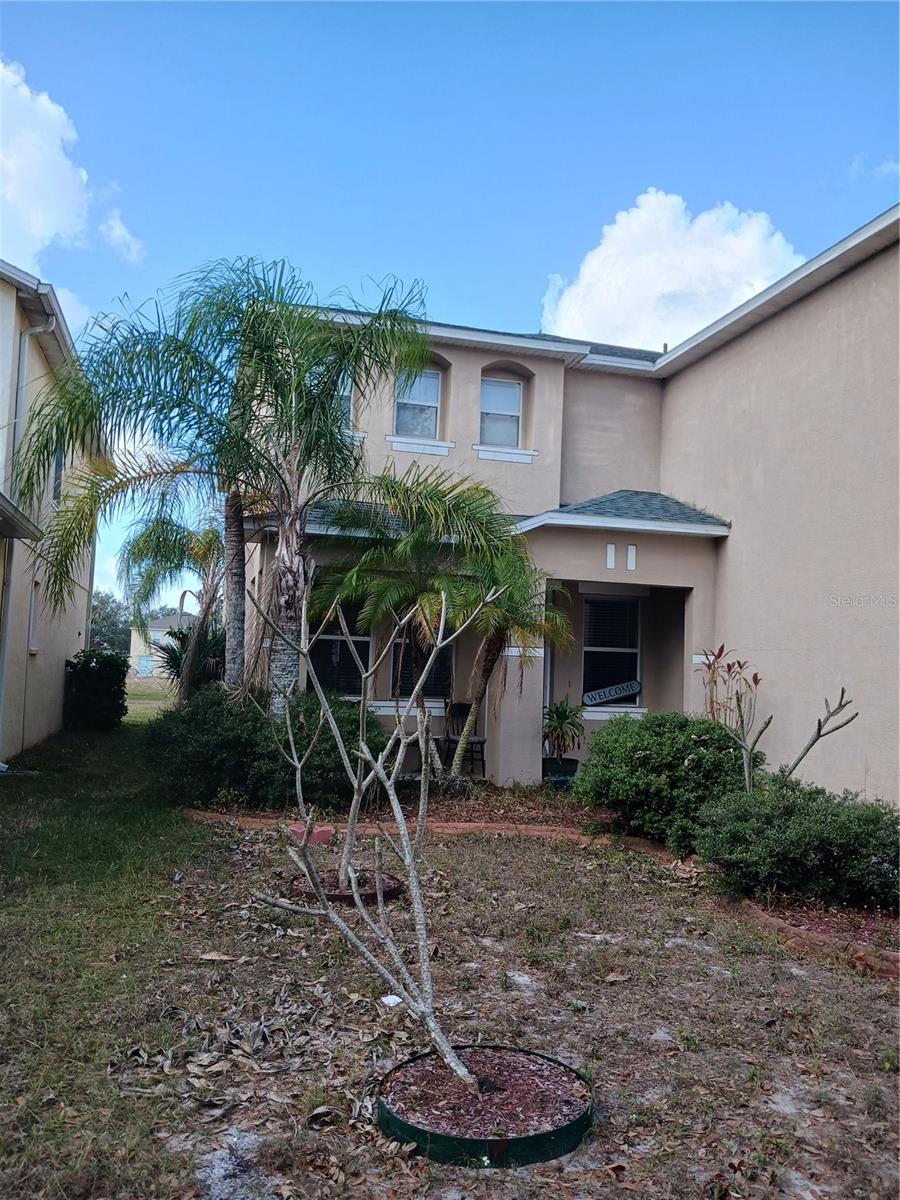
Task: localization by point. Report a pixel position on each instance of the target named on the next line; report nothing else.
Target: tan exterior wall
(526, 488)
(37, 642)
(610, 435)
(791, 432)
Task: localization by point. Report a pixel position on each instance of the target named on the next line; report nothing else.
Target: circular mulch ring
(531, 1108)
(391, 888)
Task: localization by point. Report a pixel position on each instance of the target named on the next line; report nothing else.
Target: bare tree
(821, 731)
(374, 939)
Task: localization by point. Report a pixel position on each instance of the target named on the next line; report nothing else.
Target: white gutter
(625, 524)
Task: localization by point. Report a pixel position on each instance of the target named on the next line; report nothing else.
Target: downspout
(25, 336)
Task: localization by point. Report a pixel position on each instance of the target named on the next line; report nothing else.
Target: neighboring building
(144, 662)
(740, 488)
(34, 644)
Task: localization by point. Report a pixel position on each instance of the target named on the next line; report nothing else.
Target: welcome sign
(618, 691)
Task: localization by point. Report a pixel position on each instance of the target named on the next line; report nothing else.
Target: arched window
(503, 389)
(417, 402)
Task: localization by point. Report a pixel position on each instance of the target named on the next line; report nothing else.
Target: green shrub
(658, 771)
(793, 837)
(95, 690)
(213, 748)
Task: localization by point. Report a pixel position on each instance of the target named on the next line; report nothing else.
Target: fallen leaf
(217, 956)
(615, 977)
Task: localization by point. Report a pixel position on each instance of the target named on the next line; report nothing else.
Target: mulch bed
(863, 926)
(521, 1094)
(391, 888)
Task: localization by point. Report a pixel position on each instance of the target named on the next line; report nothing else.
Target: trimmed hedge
(791, 836)
(213, 751)
(94, 696)
(657, 773)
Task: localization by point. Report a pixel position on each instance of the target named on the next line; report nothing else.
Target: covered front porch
(640, 594)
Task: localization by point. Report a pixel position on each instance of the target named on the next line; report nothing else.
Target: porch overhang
(622, 524)
(16, 524)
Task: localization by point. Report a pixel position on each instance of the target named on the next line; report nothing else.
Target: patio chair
(455, 716)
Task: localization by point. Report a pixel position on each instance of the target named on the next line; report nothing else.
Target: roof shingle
(643, 506)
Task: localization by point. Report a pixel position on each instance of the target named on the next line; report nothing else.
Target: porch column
(514, 732)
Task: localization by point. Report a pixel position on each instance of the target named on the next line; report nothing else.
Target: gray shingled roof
(643, 506)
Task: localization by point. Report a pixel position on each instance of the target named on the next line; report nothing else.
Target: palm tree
(521, 615)
(227, 393)
(158, 555)
(408, 540)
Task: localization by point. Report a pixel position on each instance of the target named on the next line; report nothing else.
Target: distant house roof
(176, 621)
(650, 512)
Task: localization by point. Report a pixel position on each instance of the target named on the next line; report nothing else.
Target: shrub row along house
(34, 643)
(739, 488)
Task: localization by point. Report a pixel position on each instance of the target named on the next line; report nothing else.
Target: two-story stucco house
(34, 644)
(739, 488)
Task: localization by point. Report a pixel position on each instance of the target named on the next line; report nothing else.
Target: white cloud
(888, 168)
(120, 237)
(660, 274)
(45, 195)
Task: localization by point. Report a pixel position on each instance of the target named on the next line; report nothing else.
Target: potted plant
(563, 731)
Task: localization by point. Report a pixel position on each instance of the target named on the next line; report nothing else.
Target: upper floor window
(418, 403)
(345, 400)
(501, 412)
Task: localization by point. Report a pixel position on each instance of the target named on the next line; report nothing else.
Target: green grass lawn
(148, 1007)
(145, 698)
(87, 860)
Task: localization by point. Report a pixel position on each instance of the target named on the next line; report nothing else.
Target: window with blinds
(332, 660)
(404, 673)
(611, 645)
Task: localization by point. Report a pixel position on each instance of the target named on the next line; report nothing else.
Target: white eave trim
(836, 260)
(49, 301)
(626, 524)
(16, 524)
(611, 364)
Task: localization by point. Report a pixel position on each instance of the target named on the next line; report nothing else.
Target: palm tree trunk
(289, 582)
(492, 651)
(235, 591)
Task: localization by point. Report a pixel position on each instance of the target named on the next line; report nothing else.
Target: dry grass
(721, 1066)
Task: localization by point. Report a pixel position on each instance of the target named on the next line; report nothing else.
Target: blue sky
(480, 147)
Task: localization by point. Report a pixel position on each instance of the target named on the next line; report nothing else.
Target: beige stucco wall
(791, 432)
(32, 667)
(525, 488)
(610, 437)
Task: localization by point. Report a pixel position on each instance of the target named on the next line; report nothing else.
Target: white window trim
(614, 649)
(34, 618)
(501, 454)
(388, 708)
(407, 445)
(398, 400)
(507, 449)
(605, 713)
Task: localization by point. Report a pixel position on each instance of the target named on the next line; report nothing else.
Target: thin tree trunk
(235, 591)
(492, 651)
(288, 588)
